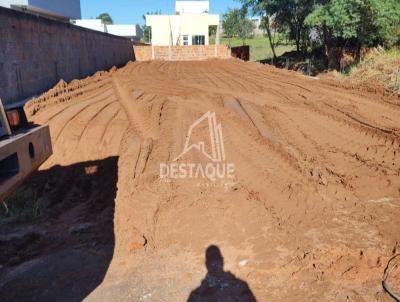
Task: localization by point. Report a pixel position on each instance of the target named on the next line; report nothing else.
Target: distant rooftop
(131, 31)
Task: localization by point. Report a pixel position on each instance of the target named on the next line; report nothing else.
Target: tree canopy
(329, 23)
(236, 24)
(362, 22)
(147, 29)
(289, 14)
(105, 18)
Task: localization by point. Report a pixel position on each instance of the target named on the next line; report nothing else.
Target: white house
(189, 26)
(257, 21)
(57, 9)
(130, 31)
(94, 24)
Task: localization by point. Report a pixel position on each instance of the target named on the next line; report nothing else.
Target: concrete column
(217, 40)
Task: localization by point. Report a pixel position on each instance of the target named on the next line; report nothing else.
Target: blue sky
(131, 11)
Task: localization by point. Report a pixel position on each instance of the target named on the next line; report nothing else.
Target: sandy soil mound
(312, 214)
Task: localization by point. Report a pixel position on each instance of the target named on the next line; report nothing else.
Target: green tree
(147, 29)
(230, 24)
(358, 23)
(236, 24)
(246, 29)
(212, 30)
(266, 25)
(105, 18)
(290, 14)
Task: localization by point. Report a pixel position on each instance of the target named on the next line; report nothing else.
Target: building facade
(257, 21)
(93, 24)
(189, 26)
(57, 9)
(130, 31)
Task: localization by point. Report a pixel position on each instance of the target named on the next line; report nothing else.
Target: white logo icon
(216, 167)
(216, 139)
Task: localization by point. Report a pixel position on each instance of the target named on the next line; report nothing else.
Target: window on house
(198, 40)
(185, 40)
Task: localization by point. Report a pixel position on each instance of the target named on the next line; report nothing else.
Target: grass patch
(260, 48)
(24, 204)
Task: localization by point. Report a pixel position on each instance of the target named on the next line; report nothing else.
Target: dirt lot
(312, 214)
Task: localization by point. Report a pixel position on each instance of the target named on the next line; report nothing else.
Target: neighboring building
(189, 26)
(130, 31)
(94, 24)
(257, 25)
(56, 9)
(256, 21)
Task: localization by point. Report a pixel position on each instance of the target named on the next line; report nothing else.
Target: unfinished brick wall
(181, 53)
(36, 52)
(143, 53)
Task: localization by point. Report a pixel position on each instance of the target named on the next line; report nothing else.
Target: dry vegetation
(378, 68)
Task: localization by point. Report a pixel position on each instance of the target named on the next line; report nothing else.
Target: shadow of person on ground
(63, 251)
(218, 285)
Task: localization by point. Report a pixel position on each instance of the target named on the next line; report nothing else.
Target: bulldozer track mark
(161, 112)
(89, 101)
(70, 119)
(316, 178)
(106, 106)
(134, 112)
(352, 123)
(386, 131)
(108, 123)
(137, 162)
(149, 150)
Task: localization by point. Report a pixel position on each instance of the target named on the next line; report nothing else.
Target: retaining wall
(181, 53)
(36, 52)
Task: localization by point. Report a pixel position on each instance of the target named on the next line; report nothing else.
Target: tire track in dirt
(307, 157)
(69, 117)
(55, 111)
(93, 119)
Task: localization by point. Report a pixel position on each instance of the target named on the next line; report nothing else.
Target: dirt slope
(311, 215)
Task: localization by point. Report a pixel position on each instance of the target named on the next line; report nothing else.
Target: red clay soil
(312, 214)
